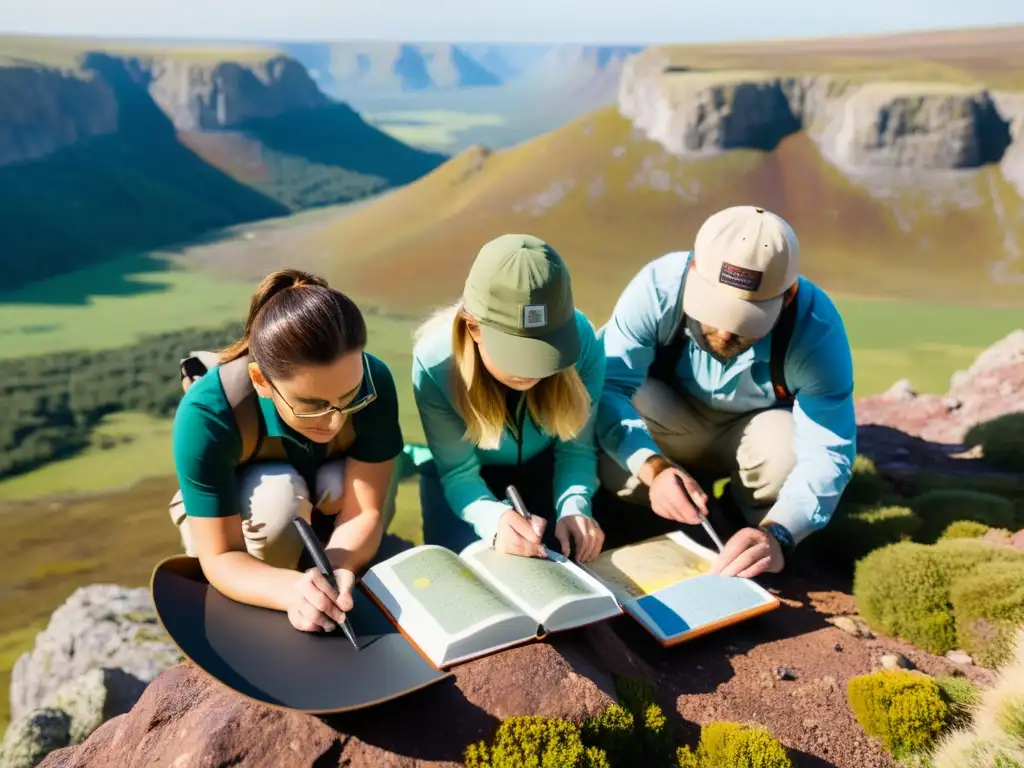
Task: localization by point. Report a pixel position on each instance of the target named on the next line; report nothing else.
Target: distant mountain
(389, 67)
(103, 152)
(377, 69)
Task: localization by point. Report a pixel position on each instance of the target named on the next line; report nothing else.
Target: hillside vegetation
(993, 57)
(610, 200)
(112, 154)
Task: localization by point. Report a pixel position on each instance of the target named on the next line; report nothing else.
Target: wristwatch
(781, 535)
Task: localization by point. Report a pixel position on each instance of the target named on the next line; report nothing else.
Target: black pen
(519, 506)
(316, 551)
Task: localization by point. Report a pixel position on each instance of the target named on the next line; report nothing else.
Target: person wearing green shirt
(326, 415)
(507, 383)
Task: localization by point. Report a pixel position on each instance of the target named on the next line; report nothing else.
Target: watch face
(781, 535)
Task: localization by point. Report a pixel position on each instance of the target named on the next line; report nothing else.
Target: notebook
(665, 584)
(458, 606)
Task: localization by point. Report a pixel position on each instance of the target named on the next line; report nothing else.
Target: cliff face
(858, 126)
(44, 110)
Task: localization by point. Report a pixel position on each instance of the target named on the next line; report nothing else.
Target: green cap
(519, 290)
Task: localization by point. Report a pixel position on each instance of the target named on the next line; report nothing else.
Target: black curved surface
(257, 652)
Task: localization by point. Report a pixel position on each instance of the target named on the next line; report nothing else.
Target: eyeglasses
(307, 411)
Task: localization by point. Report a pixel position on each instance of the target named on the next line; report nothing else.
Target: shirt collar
(276, 427)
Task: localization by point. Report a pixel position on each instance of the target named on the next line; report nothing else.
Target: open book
(665, 583)
(455, 607)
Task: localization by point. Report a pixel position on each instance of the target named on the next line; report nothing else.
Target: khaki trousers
(271, 495)
(754, 449)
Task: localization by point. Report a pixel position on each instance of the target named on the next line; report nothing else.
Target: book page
(449, 592)
(647, 566)
(543, 586)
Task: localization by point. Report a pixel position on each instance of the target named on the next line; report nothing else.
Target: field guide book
(666, 584)
(459, 606)
(456, 607)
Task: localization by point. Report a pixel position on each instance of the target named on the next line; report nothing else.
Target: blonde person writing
(507, 384)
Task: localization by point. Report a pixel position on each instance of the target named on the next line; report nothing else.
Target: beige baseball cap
(744, 260)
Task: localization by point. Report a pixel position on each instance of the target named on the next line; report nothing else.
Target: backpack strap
(194, 366)
(781, 335)
(234, 377)
(666, 356)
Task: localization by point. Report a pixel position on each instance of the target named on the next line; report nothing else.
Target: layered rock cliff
(859, 126)
(44, 109)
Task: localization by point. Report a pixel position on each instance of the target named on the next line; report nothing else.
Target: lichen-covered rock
(95, 697)
(99, 626)
(29, 739)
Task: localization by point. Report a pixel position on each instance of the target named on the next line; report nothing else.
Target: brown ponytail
(296, 319)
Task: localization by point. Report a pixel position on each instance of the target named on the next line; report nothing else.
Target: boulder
(31, 738)
(101, 626)
(186, 718)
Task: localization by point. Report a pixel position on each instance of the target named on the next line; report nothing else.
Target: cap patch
(535, 316)
(740, 277)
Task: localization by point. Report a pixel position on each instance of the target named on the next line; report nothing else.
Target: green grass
(113, 304)
(434, 129)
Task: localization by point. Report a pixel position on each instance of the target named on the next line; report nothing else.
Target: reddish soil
(733, 674)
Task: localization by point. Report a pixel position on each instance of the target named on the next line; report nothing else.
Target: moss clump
(866, 486)
(903, 589)
(531, 741)
(685, 758)
(738, 745)
(856, 531)
(989, 607)
(904, 710)
(964, 529)
(1001, 441)
(940, 508)
(995, 738)
(650, 740)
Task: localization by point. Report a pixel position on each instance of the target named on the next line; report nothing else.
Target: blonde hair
(559, 405)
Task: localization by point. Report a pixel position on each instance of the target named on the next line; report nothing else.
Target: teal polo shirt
(207, 443)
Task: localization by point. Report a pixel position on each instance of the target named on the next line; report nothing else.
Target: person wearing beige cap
(507, 382)
(725, 361)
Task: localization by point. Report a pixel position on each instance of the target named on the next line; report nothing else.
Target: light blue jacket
(458, 461)
(818, 370)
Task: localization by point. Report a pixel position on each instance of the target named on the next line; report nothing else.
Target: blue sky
(597, 21)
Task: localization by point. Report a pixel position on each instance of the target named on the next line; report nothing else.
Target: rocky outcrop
(185, 718)
(902, 430)
(1011, 106)
(101, 626)
(43, 110)
(859, 126)
(197, 96)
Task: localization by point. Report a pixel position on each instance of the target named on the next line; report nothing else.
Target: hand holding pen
(519, 532)
(320, 595)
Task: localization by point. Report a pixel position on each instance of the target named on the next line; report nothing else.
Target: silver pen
(703, 520)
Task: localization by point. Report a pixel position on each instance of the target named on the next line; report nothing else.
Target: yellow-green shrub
(866, 486)
(995, 738)
(739, 745)
(531, 741)
(1001, 441)
(989, 607)
(961, 696)
(903, 589)
(904, 710)
(650, 742)
(940, 508)
(965, 529)
(685, 758)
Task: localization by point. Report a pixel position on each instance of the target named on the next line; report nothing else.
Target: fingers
(562, 534)
(320, 600)
(524, 536)
(586, 535)
(346, 580)
(698, 498)
(670, 497)
(511, 543)
(743, 552)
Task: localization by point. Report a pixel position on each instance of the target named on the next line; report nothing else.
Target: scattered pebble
(896, 661)
(959, 657)
(810, 725)
(851, 625)
(829, 683)
(785, 673)
(837, 648)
